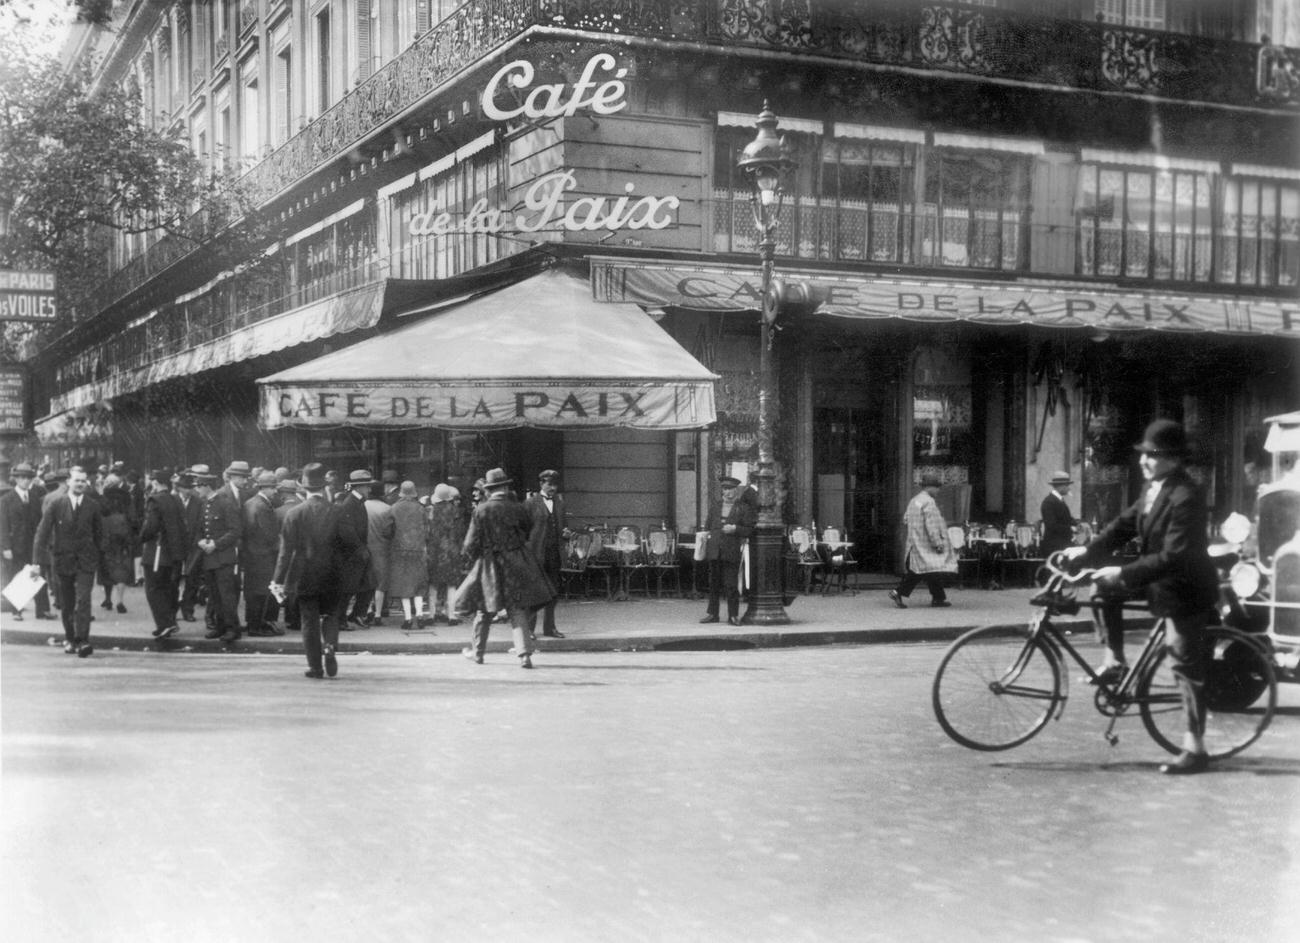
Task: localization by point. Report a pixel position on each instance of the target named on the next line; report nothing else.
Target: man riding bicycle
(1169, 520)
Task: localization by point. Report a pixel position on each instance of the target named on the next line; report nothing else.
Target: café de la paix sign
(543, 202)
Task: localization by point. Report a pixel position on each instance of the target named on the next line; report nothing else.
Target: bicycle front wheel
(1240, 696)
(994, 690)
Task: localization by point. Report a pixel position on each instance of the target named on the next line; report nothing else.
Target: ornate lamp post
(767, 161)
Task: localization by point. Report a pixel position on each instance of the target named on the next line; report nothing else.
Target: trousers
(73, 592)
(519, 618)
(933, 582)
(319, 616)
(160, 593)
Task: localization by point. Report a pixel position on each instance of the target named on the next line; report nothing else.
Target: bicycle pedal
(1112, 738)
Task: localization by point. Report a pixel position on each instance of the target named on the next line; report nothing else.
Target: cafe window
(1144, 222)
(942, 443)
(871, 183)
(976, 210)
(1259, 232)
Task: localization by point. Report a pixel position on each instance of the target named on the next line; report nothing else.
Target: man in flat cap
(164, 546)
(356, 575)
(186, 483)
(930, 555)
(546, 508)
(730, 522)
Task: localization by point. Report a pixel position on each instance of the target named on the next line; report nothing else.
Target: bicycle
(996, 688)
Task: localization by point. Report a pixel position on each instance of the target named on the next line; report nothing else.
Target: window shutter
(363, 40)
(422, 17)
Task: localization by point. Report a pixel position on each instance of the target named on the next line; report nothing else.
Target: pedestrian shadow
(1256, 766)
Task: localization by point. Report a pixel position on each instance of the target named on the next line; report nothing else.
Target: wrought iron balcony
(940, 37)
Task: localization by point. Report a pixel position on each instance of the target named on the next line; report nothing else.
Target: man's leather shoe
(213, 633)
(231, 637)
(707, 619)
(526, 662)
(45, 615)
(896, 599)
(69, 648)
(169, 631)
(939, 603)
(472, 655)
(84, 650)
(16, 616)
(1186, 764)
(554, 634)
(331, 663)
(314, 673)
(1111, 674)
(188, 617)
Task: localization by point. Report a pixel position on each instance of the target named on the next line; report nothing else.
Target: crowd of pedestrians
(264, 551)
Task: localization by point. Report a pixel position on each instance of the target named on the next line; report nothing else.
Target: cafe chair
(661, 554)
(1022, 559)
(840, 562)
(967, 560)
(804, 556)
(632, 560)
(574, 553)
(602, 559)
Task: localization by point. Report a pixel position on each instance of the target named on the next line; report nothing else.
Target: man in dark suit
(69, 537)
(192, 517)
(223, 528)
(1173, 566)
(20, 515)
(1058, 522)
(731, 520)
(289, 495)
(546, 508)
(356, 576)
(164, 548)
(307, 569)
(257, 556)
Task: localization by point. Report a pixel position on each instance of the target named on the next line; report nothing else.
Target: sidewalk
(640, 624)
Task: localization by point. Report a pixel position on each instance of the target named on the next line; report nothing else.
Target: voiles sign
(543, 201)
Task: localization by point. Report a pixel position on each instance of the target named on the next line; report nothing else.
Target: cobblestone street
(788, 795)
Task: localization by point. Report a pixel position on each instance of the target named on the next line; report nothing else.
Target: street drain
(704, 645)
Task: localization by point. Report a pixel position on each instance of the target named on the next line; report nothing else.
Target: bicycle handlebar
(1057, 563)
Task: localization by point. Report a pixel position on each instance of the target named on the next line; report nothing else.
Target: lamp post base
(769, 591)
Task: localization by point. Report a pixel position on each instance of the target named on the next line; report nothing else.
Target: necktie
(1149, 498)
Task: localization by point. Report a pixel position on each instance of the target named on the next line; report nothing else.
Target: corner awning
(540, 353)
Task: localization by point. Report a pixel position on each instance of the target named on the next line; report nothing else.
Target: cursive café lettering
(544, 208)
(555, 100)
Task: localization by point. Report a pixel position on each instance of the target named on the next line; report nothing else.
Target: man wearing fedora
(307, 570)
(929, 556)
(20, 515)
(191, 572)
(164, 547)
(1058, 521)
(504, 573)
(257, 553)
(356, 573)
(69, 537)
(223, 529)
(546, 508)
(1173, 567)
(730, 522)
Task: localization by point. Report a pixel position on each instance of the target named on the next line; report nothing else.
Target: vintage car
(1265, 579)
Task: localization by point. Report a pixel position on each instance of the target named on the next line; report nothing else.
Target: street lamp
(767, 161)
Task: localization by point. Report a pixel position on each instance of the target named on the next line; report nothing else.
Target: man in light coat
(929, 555)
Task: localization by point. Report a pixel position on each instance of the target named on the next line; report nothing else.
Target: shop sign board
(26, 296)
(862, 298)
(13, 386)
(488, 406)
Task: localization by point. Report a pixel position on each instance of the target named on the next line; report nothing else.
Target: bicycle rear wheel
(994, 690)
(1240, 696)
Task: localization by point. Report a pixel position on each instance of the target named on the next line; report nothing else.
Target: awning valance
(540, 353)
(864, 297)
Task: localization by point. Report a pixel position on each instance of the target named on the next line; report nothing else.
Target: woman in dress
(448, 521)
(408, 574)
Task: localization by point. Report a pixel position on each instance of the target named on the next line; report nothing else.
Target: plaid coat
(928, 548)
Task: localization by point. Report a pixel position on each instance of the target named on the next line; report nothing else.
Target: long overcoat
(448, 521)
(504, 574)
(928, 547)
(260, 542)
(727, 547)
(408, 573)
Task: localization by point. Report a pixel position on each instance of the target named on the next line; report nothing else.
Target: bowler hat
(549, 475)
(931, 480)
(729, 481)
(238, 468)
(23, 470)
(360, 477)
(1163, 437)
(287, 485)
(1062, 478)
(313, 476)
(496, 478)
(267, 479)
(161, 475)
(118, 468)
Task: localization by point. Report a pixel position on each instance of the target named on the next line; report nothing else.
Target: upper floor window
(1259, 230)
(1145, 222)
(1144, 14)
